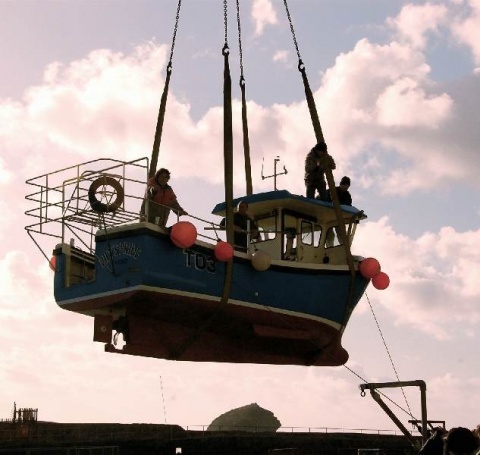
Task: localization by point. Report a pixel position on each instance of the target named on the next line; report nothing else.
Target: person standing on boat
(316, 163)
(161, 198)
(344, 196)
(242, 223)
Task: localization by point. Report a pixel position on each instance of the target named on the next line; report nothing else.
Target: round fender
(117, 190)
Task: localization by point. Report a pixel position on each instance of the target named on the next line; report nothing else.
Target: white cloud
(414, 22)
(263, 14)
(5, 175)
(374, 95)
(405, 103)
(429, 276)
(281, 56)
(467, 29)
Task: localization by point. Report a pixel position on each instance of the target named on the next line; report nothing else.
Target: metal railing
(262, 429)
(61, 206)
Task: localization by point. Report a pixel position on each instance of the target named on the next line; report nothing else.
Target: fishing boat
(285, 298)
(288, 307)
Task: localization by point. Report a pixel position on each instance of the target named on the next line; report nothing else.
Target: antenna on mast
(275, 173)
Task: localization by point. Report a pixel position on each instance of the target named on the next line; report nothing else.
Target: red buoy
(52, 263)
(183, 234)
(223, 251)
(381, 281)
(369, 268)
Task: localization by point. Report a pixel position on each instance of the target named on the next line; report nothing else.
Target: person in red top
(161, 198)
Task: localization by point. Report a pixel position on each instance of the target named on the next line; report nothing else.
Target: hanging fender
(98, 206)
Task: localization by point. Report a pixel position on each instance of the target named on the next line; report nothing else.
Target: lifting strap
(227, 156)
(228, 174)
(163, 102)
(246, 142)
(328, 173)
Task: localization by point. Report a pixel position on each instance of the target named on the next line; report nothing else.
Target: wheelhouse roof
(262, 203)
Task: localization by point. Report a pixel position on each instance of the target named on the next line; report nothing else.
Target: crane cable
(388, 352)
(163, 102)
(246, 142)
(329, 175)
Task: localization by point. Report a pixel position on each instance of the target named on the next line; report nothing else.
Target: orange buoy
(183, 234)
(369, 268)
(381, 281)
(52, 263)
(223, 251)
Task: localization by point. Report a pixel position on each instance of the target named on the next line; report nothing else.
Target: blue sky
(397, 87)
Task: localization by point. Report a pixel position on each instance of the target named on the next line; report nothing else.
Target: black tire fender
(98, 206)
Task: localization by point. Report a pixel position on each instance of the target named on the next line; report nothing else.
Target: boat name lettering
(129, 249)
(199, 260)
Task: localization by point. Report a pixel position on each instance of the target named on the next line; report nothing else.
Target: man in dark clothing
(316, 163)
(344, 196)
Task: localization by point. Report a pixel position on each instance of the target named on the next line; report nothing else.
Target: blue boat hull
(170, 299)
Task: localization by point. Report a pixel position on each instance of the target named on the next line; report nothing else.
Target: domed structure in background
(251, 417)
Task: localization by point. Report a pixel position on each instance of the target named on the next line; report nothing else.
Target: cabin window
(311, 233)
(267, 226)
(332, 239)
(290, 243)
(307, 233)
(289, 233)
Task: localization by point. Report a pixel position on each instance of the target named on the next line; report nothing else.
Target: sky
(397, 89)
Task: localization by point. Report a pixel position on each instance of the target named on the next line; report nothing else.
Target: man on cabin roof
(344, 196)
(316, 163)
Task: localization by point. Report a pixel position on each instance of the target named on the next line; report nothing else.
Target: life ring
(100, 206)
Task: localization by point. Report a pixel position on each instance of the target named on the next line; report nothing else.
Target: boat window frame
(350, 229)
(265, 234)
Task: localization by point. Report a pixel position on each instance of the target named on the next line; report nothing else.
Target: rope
(163, 101)
(388, 352)
(246, 142)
